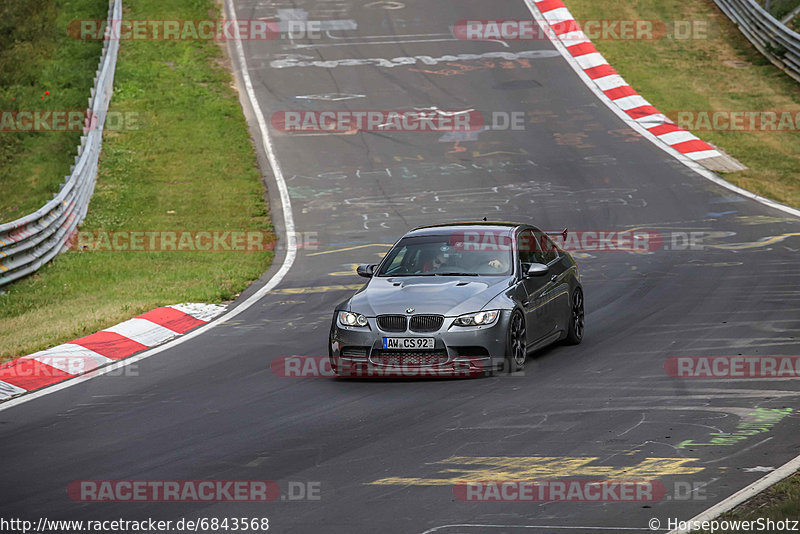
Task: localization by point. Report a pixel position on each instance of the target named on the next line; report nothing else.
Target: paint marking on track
(351, 272)
(384, 245)
(516, 468)
(330, 97)
(385, 4)
(757, 244)
(316, 289)
(390, 42)
(760, 421)
(414, 60)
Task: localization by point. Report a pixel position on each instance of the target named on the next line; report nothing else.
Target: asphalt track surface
(385, 453)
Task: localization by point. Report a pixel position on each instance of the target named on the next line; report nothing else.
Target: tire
(516, 343)
(576, 318)
(336, 369)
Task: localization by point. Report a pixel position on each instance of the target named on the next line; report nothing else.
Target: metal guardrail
(777, 42)
(31, 241)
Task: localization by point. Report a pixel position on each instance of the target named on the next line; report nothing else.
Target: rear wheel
(576, 318)
(516, 345)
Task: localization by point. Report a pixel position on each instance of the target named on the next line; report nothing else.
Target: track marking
(331, 97)
(316, 289)
(384, 245)
(406, 61)
(760, 421)
(392, 42)
(385, 4)
(758, 244)
(351, 272)
(521, 468)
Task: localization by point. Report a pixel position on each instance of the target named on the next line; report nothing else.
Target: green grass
(37, 55)
(779, 8)
(779, 502)
(190, 165)
(723, 72)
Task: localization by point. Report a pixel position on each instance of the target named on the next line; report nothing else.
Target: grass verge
(186, 163)
(779, 503)
(37, 55)
(719, 72)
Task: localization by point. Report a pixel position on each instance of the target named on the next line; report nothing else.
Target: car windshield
(449, 255)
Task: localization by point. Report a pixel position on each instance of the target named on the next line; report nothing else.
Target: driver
(438, 260)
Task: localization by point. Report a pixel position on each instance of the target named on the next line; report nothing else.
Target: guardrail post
(791, 15)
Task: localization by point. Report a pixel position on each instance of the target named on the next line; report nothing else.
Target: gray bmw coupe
(459, 299)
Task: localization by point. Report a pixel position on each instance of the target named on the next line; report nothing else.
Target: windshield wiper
(395, 275)
(456, 274)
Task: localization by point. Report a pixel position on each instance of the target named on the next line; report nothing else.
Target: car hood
(440, 295)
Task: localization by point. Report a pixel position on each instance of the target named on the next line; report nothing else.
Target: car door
(554, 294)
(535, 286)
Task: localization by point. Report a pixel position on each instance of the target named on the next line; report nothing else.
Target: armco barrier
(31, 241)
(773, 39)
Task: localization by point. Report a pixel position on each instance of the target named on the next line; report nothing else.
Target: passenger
(499, 263)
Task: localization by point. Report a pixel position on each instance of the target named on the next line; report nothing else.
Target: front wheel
(516, 345)
(576, 319)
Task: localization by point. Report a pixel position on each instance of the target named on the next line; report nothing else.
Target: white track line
(787, 469)
(291, 250)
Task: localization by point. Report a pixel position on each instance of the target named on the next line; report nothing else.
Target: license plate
(408, 343)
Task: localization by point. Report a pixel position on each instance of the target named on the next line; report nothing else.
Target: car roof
(450, 228)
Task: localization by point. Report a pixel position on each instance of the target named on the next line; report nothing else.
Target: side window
(397, 261)
(543, 250)
(526, 244)
(549, 249)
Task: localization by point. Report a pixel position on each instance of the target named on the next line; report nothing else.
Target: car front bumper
(458, 351)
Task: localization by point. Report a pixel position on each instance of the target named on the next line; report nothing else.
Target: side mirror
(537, 269)
(365, 270)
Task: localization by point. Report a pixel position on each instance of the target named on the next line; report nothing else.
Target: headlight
(477, 319)
(352, 319)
